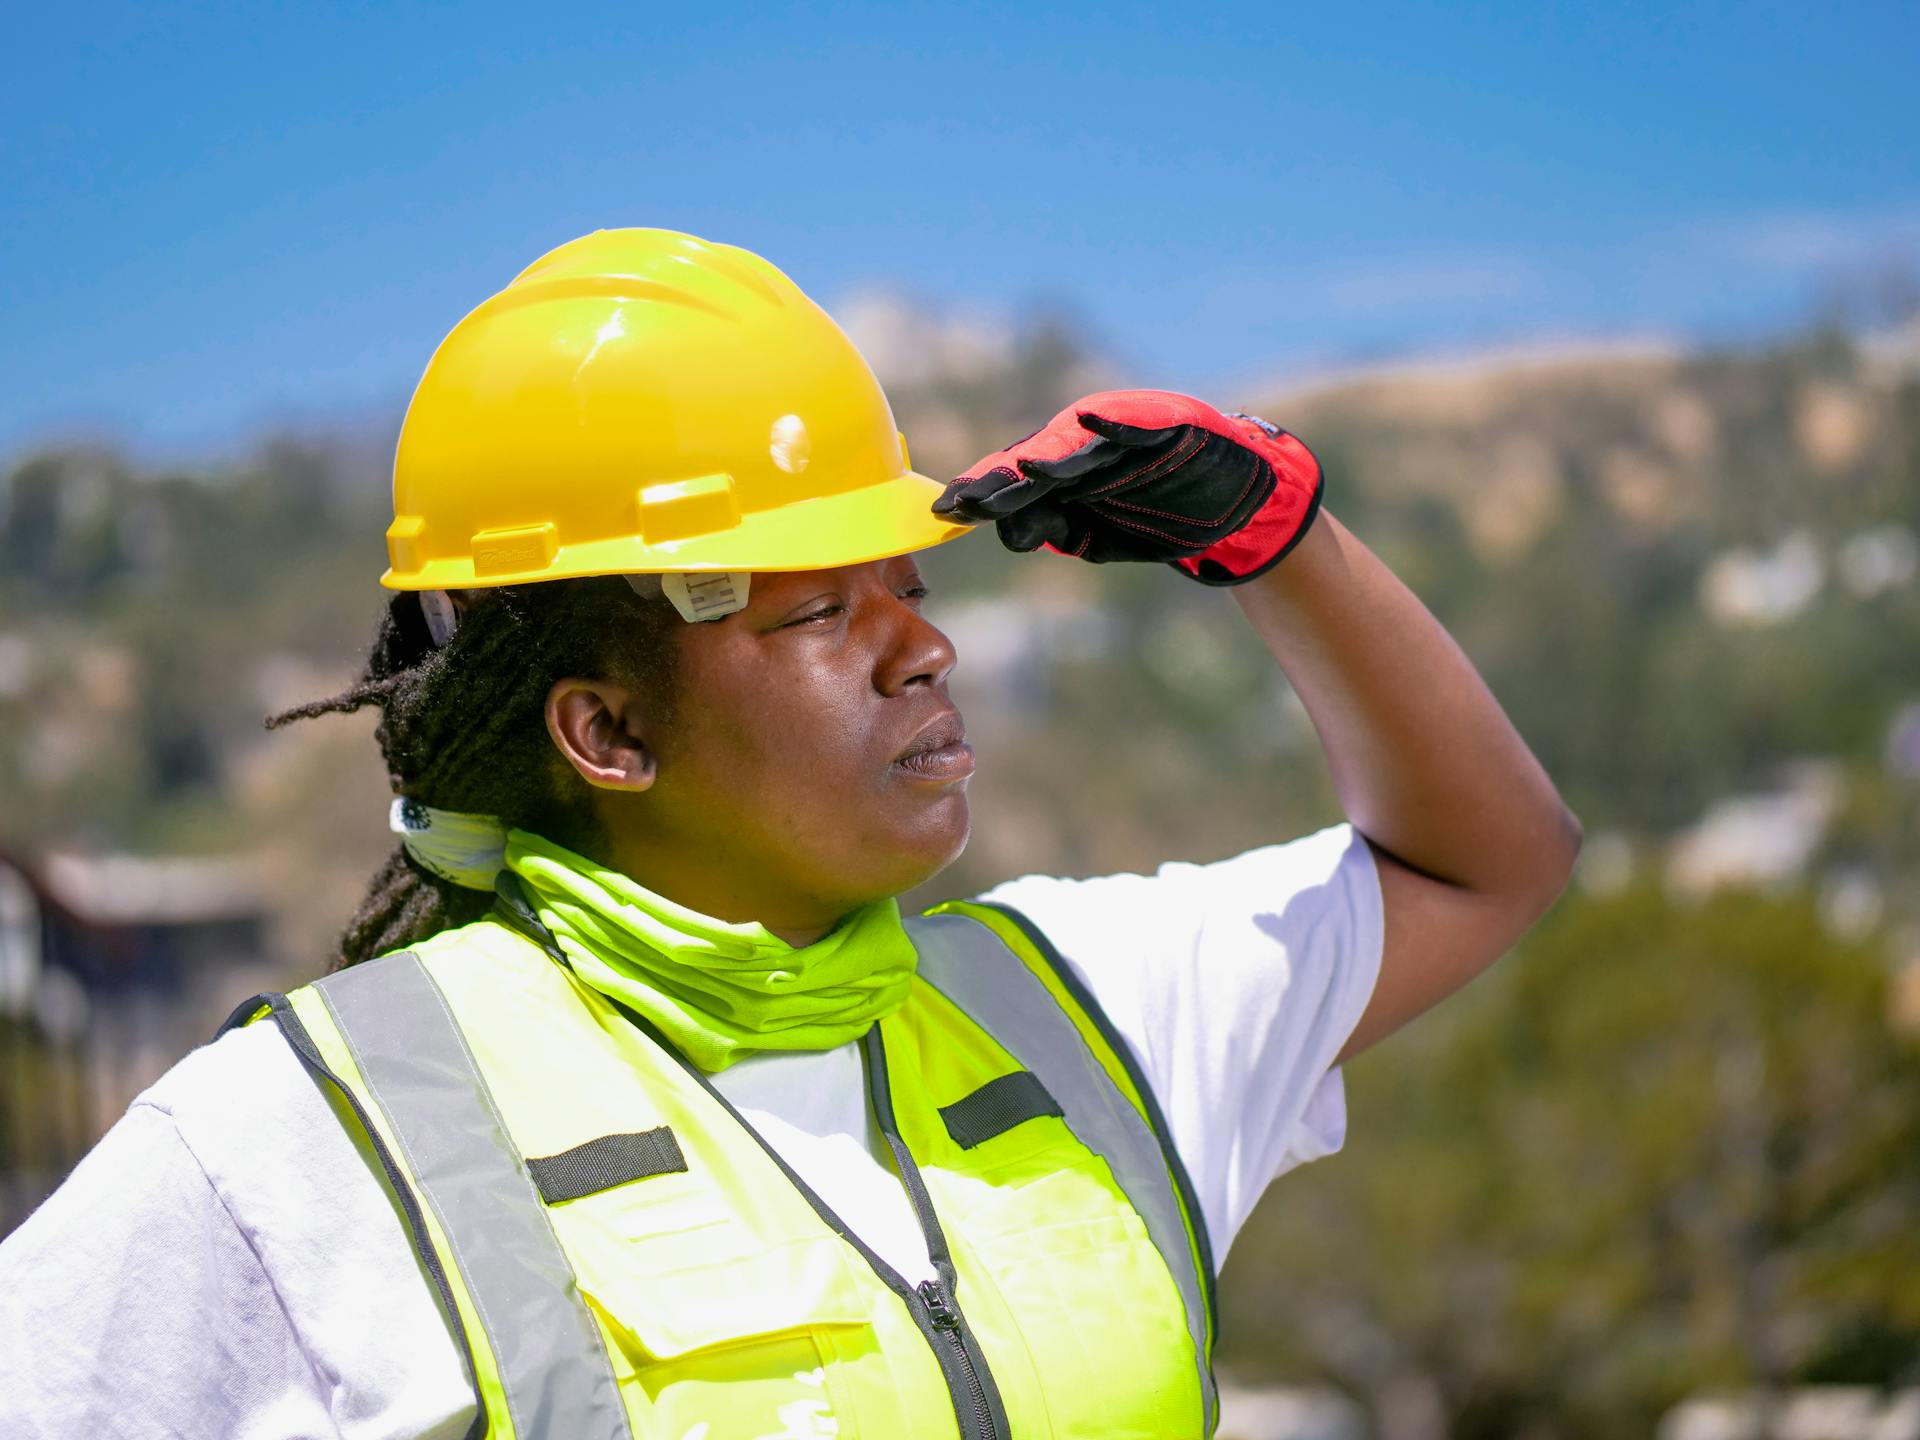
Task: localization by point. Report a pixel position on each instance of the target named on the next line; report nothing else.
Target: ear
(597, 725)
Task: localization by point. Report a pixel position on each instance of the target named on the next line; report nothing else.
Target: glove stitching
(1172, 460)
(1184, 543)
(1252, 481)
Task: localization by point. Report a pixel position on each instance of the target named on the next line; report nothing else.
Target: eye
(829, 611)
(917, 590)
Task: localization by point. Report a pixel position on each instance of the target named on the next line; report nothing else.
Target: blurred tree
(1662, 1149)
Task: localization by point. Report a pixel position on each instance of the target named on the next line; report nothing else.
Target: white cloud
(1812, 240)
(1383, 285)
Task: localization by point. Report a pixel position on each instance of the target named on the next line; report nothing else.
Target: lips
(939, 751)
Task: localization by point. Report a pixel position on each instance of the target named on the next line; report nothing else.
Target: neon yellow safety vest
(618, 1254)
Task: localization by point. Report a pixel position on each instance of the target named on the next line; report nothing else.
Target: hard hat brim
(850, 528)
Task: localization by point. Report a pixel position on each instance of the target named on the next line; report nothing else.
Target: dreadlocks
(463, 727)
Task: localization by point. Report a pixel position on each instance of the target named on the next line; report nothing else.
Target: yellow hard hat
(643, 401)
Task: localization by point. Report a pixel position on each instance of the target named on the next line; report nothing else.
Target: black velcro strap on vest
(996, 1107)
(244, 1012)
(606, 1162)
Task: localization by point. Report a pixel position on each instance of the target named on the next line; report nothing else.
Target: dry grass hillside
(1671, 1143)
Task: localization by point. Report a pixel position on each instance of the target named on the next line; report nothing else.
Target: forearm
(1425, 762)
(1470, 839)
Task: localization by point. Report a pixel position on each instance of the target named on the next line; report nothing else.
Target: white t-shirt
(225, 1263)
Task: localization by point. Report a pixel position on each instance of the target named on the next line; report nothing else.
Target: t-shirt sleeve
(1236, 983)
(131, 1305)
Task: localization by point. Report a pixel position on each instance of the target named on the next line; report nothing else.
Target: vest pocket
(666, 1314)
(744, 1345)
(1097, 1309)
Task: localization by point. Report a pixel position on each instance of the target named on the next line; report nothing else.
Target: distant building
(1287, 1412)
(1757, 588)
(1761, 840)
(111, 968)
(1810, 1412)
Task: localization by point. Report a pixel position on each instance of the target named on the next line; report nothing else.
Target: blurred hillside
(1690, 577)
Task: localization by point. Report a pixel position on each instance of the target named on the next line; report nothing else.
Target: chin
(928, 847)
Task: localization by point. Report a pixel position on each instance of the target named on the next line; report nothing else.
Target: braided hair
(463, 727)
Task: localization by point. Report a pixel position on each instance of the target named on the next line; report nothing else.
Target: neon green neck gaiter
(717, 991)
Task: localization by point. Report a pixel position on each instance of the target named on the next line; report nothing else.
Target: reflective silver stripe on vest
(553, 1367)
(967, 963)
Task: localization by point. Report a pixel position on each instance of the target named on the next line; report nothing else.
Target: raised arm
(1472, 841)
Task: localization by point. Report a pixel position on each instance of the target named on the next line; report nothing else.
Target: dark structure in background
(111, 968)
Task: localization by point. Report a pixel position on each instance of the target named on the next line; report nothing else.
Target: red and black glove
(1148, 475)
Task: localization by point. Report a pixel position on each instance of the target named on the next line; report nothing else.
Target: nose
(918, 653)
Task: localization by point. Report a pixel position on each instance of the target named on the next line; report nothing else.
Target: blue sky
(218, 217)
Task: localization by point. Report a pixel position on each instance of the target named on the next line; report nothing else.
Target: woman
(632, 1105)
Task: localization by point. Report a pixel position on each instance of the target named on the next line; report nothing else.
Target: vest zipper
(976, 1399)
(937, 1296)
(947, 1322)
